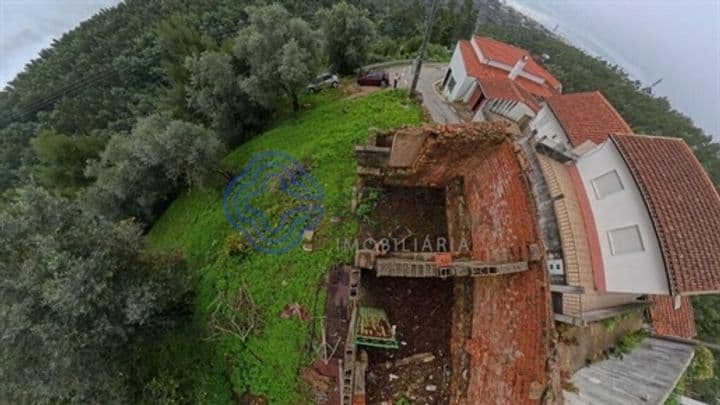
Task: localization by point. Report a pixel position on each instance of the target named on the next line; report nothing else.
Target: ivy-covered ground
(213, 371)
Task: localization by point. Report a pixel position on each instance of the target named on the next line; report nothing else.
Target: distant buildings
(629, 221)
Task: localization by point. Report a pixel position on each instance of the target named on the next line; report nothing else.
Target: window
(608, 183)
(625, 240)
(451, 84)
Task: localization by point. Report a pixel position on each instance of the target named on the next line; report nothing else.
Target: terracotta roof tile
(501, 88)
(684, 206)
(472, 63)
(587, 117)
(669, 321)
(496, 84)
(509, 55)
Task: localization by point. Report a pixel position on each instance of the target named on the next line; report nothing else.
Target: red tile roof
(501, 88)
(669, 321)
(509, 55)
(470, 59)
(496, 84)
(535, 88)
(587, 117)
(684, 206)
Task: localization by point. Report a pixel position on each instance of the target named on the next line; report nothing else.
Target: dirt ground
(356, 91)
(421, 311)
(419, 209)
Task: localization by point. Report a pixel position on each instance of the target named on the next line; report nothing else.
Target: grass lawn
(322, 138)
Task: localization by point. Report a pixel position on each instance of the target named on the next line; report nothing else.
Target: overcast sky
(678, 41)
(28, 26)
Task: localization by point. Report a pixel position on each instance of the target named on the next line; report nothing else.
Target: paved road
(440, 109)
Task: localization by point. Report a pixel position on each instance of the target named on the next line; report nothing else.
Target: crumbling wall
(452, 151)
(511, 328)
(430, 155)
(503, 219)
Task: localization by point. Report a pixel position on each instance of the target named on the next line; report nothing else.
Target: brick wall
(510, 341)
(503, 219)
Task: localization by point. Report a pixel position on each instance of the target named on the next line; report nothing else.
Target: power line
(428, 32)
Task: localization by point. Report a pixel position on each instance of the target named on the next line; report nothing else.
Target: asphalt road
(440, 109)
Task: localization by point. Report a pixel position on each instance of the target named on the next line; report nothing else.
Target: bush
(137, 174)
(370, 197)
(630, 341)
(610, 324)
(703, 365)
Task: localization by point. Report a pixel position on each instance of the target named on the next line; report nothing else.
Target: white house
(497, 78)
(577, 122)
(636, 215)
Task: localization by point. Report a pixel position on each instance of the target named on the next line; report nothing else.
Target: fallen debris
(294, 309)
(316, 380)
(307, 237)
(415, 358)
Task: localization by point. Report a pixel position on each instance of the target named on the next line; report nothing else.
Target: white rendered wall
(547, 125)
(459, 73)
(639, 272)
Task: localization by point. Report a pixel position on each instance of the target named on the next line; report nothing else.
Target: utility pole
(428, 31)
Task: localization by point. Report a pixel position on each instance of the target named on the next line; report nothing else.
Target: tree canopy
(140, 172)
(75, 290)
(348, 34)
(282, 52)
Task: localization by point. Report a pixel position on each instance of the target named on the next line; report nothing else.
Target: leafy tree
(348, 34)
(282, 53)
(139, 173)
(214, 92)
(76, 291)
(445, 23)
(62, 159)
(401, 19)
(14, 140)
(707, 315)
(454, 21)
(467, 17)
(180, 40)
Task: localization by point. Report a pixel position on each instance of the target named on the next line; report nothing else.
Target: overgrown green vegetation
(707, 316)
(77, 293)
(267, 363)
(610, 324)
(627, 343)
(133, 108)
(701, 369)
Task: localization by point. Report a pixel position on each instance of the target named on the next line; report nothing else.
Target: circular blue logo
(273, 201)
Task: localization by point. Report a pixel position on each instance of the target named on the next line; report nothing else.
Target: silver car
(323, 81)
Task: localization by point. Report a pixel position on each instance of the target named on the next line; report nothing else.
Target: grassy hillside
(322, 138)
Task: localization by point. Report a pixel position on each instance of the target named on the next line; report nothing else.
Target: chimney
(519, 66)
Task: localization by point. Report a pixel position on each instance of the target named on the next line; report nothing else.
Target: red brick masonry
(511, 314)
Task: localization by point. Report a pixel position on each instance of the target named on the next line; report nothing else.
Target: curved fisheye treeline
(140, 105)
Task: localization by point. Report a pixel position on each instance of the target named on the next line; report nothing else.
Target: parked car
(323, 81)
(373, 78)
